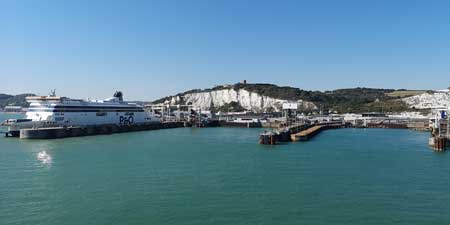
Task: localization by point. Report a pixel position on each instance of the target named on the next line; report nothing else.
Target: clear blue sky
(149, 49)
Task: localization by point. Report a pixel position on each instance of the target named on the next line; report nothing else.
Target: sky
(150, 49)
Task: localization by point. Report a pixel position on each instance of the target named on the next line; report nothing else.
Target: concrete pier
(281, 134)
(306, 134)
(302, 132)
(64, 132)
(309, 133)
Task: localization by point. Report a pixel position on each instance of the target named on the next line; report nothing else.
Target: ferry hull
(15, 133)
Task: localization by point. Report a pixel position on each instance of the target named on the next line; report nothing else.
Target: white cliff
(249, 100)
(434, 100)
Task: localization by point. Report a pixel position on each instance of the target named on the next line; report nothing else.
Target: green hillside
(13, 100)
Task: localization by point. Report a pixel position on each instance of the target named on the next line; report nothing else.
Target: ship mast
(52, 93)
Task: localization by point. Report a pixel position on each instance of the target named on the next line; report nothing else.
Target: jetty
(298, 132)
(306, 134)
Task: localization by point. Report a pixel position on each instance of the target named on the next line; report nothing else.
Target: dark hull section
(13, 134)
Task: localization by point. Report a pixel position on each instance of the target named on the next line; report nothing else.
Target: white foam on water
(44, 158)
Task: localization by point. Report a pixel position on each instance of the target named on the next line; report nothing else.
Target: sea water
(223, 176)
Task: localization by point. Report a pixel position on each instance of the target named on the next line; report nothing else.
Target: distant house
(13, 109)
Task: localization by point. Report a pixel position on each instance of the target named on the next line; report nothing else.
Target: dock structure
(439, 144)
(244, 124)
(285, 133)
(309, 133)
(300, 132)
(387, 125)
(268, 138)
(281, 134)
(65, 132)
(440, 136)
(306, 134)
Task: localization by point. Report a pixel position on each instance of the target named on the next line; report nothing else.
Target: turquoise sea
(222, 176)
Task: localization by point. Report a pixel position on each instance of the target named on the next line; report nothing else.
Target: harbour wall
(64, 132)
(77, 131)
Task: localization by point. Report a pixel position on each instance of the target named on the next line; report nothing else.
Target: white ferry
(53, 111)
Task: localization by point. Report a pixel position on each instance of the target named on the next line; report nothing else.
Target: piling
(268, 138)
(439, 144)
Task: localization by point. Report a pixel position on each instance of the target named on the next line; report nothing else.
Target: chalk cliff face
(429, 100)
(248, 100)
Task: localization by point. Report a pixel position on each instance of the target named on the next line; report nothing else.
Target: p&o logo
(126, 120)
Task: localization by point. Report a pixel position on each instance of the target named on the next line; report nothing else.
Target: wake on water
(44, 158)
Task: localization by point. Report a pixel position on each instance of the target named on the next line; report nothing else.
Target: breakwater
(76, 131)
(64, 132)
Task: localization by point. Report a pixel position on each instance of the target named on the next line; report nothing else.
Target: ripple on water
(44, 158)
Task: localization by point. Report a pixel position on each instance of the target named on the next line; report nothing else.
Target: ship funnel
(119, 95)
